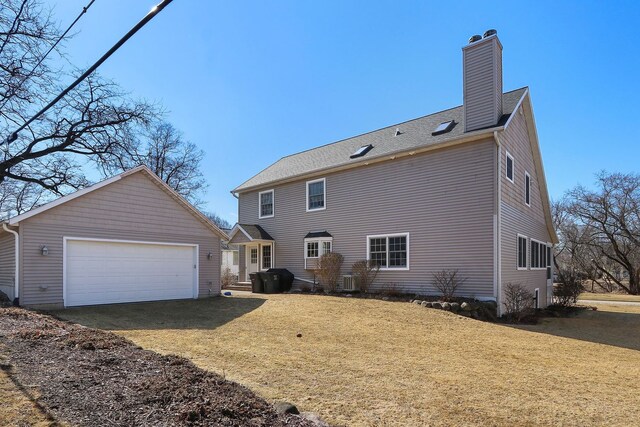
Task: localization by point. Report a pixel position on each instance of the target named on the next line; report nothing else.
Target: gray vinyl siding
(444, 199)
(133, 209)
(516, 216)
(482, 85)
(7, 264)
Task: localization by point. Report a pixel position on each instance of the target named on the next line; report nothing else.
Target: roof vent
(489, 33)
(443, 127)
(475, 38)
(398, 132)
(361, 151)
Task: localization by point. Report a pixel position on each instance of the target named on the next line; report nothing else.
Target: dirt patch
(90, 377)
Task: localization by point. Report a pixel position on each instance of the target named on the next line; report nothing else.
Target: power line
(30, 73)
(153, 12)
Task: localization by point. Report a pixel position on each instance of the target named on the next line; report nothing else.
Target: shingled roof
(413, 134)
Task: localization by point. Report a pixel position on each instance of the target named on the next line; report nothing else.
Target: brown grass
(18, 407)
(370, 362)
(589, 296)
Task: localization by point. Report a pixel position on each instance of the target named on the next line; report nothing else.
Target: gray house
(459, 189)
(128, 238)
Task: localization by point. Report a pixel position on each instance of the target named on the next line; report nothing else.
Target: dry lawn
(18, 407)
(590, 296)
(370, 362)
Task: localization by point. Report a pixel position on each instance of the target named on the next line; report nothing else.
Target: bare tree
(609, 221)
(88, 124)
(162, 148)
(218, 220)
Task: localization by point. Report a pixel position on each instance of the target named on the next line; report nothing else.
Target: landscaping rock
(315, 419)
(446, 306)
(465, 306)
(455, 307)
(428, 304)
(417, 301)
(424, 303)
(286, 408)
(436, 305)
(474, 315)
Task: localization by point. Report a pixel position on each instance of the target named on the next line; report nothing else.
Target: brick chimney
(482, 75)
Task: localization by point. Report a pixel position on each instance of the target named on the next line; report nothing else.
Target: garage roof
(139, 169)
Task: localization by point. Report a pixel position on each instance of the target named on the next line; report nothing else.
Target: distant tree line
(599, 232)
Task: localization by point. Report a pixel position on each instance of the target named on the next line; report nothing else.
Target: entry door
(252, 260)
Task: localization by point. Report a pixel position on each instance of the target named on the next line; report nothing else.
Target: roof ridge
(382, 128)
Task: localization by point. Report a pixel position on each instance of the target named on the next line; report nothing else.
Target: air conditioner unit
(349, 283)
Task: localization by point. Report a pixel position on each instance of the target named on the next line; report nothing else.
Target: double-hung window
(390, 252)
(522, 252)
(538, 255)
(316, 195)
(509, 167)
(266, 257)
(265, 205)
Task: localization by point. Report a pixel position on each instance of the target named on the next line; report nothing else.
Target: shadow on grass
(603, 327)
(8, 370)
(207, 313)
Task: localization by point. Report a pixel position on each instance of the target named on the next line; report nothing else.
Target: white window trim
(320, 240)
(261, 267)
(376, 236)
(526, 174)
(513, 167)
(531, 253)
(527, 248)
(306, 200)
(273, 204)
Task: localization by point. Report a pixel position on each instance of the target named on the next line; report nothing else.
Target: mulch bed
(96, 378)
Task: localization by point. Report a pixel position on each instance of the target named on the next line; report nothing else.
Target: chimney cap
(489, 33)
(475, 38)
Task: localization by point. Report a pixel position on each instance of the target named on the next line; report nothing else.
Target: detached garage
(126, 239)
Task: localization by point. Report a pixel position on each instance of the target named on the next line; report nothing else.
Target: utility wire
(30, 73)
(153, 12)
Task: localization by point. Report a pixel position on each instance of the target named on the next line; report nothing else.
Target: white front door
(252, 260)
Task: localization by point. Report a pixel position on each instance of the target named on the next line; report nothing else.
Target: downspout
(498, 233)
(16, 296)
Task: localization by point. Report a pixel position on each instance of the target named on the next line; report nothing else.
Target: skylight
(361, 151)
(443, 127)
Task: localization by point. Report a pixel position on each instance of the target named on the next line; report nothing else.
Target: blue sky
(252, 81)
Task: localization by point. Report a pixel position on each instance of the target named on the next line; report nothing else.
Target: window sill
(538, 268)
(522, 268)
(317, 209)
(394, 269)
(265, 217)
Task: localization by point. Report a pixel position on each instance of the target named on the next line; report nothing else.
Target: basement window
(361, 151)
(443, 127)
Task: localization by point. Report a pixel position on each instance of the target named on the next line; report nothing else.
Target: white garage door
(99, 272)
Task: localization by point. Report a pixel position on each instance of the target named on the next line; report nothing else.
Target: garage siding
(7, 263)
(132, 209)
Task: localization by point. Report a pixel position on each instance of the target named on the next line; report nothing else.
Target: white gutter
(498, 234)
(16, 296)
